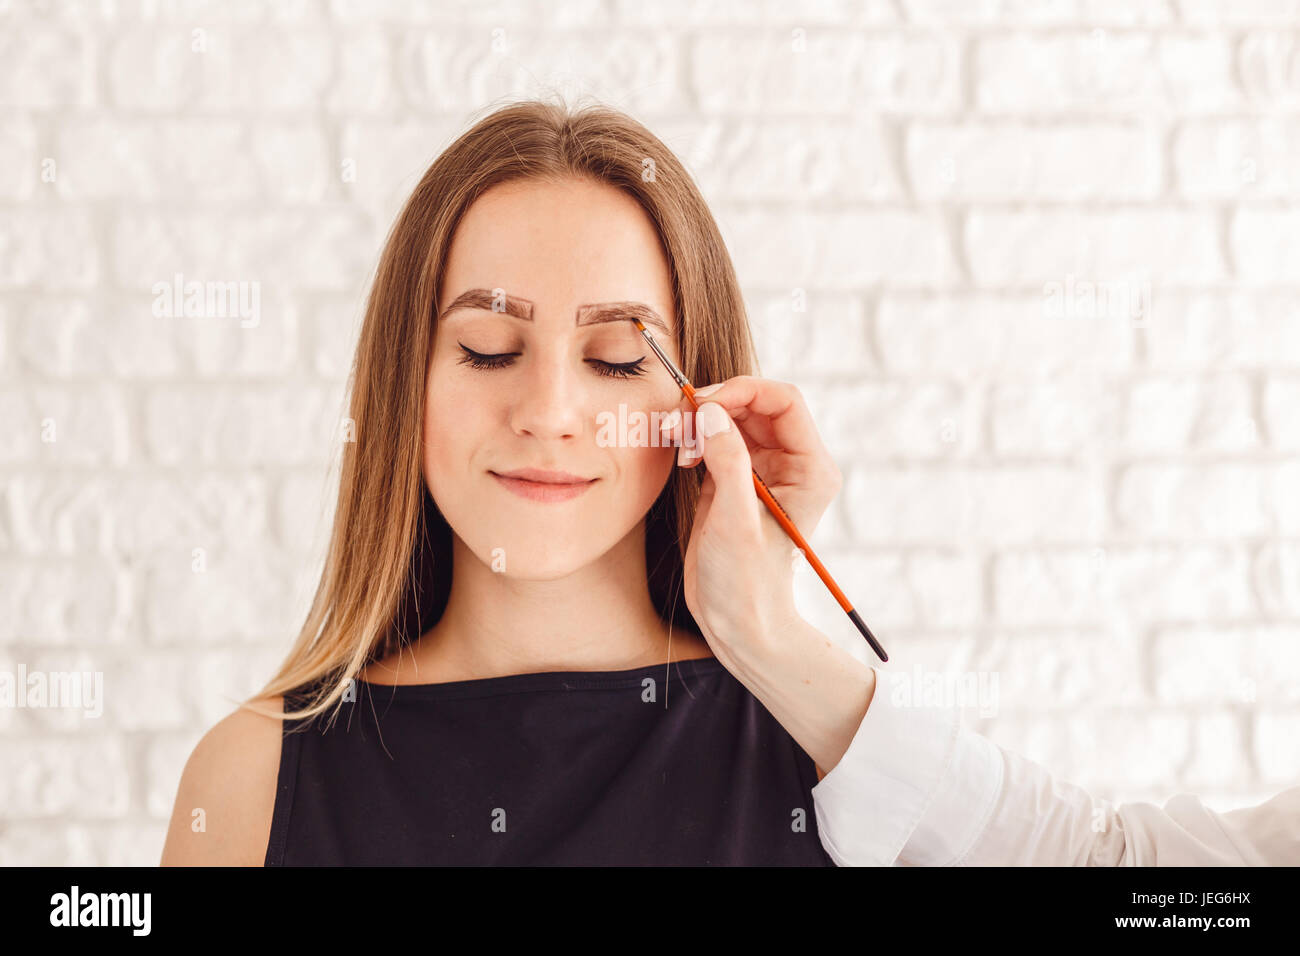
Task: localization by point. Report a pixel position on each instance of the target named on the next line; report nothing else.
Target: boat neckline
(539, 680)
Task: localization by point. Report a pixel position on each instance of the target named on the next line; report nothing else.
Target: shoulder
(231, 777)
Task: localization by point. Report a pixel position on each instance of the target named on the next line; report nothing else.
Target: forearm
(814, 688)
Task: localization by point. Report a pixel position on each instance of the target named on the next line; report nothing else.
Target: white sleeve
(916, 788)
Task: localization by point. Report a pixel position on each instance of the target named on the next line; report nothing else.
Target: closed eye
(480, 360)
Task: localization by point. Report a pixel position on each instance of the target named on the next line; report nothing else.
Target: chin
(538, 560)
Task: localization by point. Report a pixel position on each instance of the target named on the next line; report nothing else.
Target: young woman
(540, 639)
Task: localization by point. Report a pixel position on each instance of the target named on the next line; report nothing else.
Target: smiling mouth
(544, 486)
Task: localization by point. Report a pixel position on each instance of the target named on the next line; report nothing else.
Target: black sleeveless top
(561, 768)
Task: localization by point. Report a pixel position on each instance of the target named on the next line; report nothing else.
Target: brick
(1101, 71)
(1276, 574)
(1190, 414)
(151, 691)
(1230, 159)
(979, 336)
(118, 336)
(1266, 62)
(1013, 247)
(58, 337)
(1078, 667)
(380, 162)
(1206, 501)
(263, 68)
(929, 420)
(913, 504)
(838, 160)
(222, 679)
(47, 67)
(47, 248)
(63, 844)
(86, 776)
(838, 250)
(1222, 12)
(684, 13)
(1135, 749)
(71, 513)
(1281, 399)
(1220, 751)
(839, 71)
(84, 601)
(86, 425)
(262, 424)
(1120, 586)
(363, 81)
(1265, 243)
(442, 70)
(78, 695)
(1054, 419)
(1277, 746)
(1233, 330)
(164, 761)
(19, 164)
(324, 248)
(810, 338)
(235, 592)
(1243, 666)
(304, 507)
(1018, 162)
(992, 12)
(192, 160)
(572, 13)
(330, 334)
(187, 12)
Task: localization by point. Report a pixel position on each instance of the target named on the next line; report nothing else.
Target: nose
(550, 403)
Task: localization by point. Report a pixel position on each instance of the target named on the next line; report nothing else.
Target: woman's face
(552, 252)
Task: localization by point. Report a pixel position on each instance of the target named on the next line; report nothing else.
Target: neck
(600, 617)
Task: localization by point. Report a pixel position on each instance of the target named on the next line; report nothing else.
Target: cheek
(450, 426)
(645, 471)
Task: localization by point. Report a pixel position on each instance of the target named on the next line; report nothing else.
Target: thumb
(727, 459)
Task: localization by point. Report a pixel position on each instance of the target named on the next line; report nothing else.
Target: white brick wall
(1105, 512)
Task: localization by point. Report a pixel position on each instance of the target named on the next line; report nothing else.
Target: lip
(536, 484)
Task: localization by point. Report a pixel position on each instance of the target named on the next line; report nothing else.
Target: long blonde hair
(387, 571)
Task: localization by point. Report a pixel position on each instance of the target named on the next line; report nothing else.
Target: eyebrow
(591, 314)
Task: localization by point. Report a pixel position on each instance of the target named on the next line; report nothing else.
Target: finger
(691, 453)
(774, 414)
(681, 432)
(670, 428)
(687, 410)
(728, 461)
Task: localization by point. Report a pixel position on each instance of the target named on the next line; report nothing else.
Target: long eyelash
(503, 359)
(477, 360)
(619, 369)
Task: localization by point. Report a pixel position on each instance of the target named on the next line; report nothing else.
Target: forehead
(559, 245)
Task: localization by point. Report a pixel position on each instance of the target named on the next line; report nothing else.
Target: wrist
(815, 688)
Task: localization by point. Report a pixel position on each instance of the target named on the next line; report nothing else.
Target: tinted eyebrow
(614, 311)
(483, 299)
(587, 314)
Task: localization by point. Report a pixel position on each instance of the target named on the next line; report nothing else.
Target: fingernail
(670, 420)
(708, 389)
(712, 419)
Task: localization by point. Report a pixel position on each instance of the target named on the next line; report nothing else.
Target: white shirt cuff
(873, 802)
(962, 806)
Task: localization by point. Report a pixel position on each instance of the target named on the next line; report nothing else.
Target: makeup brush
(773, 506)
